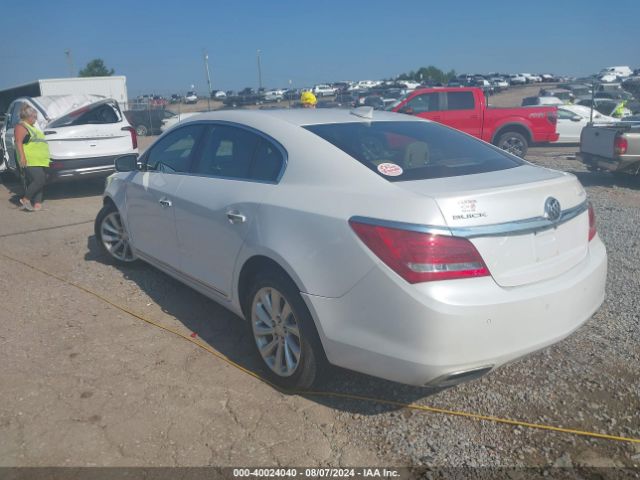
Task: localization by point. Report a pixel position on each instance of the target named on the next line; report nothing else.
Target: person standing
(33, 155)
(620, 110)
(308, 100)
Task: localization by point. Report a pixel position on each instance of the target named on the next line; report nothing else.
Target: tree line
(428, 74)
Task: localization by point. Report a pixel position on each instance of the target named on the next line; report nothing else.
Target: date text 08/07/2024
(316, 472)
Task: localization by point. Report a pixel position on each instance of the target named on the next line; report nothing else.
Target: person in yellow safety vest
(620, 110)
(33, 154)
(308, 100)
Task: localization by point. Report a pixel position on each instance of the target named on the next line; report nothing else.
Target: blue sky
(159, 45)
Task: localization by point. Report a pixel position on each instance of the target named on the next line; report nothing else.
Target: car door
(569, 126)
(151, 194)
(460, 111)
(219, 202)
(8, 139)
(426, 105)
(4, 157)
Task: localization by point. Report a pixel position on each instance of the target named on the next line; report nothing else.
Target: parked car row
(490, 83)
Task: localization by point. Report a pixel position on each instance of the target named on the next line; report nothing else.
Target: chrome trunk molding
(519, 227)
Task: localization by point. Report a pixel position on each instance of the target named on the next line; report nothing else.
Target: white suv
(323, 90)
(274, 96)
(517, 79)
(191, 97)
(85, 134)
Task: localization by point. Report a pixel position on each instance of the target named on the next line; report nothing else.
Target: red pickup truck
(512, 129)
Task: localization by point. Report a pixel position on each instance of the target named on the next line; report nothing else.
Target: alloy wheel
(115, 238)
(276, 331)
(513, 145)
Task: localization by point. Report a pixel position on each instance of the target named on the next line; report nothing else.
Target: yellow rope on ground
(348, 396)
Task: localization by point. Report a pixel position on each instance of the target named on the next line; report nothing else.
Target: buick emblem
(552, 209)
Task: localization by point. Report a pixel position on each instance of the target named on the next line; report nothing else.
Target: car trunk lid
(93, 130)
(503, 214)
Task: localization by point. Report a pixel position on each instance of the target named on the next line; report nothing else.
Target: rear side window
(421, 150)
(227, 152)
(267, 162)
(460, 101)
(232, 152)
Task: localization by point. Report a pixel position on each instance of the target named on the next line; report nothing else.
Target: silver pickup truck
(615, 148)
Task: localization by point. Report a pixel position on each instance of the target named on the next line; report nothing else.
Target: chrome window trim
(519, 227)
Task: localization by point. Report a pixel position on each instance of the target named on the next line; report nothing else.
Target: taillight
(592, 222)
(134, 136)
(422, 257)
(56, 165)
(552, 117)
(620, 145)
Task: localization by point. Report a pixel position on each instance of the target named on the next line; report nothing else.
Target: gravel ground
(590, 381)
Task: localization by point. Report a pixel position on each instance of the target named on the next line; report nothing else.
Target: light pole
(259, 72)
(206, 66)
(72, 69)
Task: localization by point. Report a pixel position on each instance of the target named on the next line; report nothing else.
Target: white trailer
(110, 87)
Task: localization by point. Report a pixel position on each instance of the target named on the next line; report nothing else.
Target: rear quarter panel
(303, 225)
(533, 119)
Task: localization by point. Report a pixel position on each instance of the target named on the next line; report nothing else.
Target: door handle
(235, 217)
(165, 202)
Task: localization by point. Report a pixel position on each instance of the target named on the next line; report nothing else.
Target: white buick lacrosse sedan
(375, 241)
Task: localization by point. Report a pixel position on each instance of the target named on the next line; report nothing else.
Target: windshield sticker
(390, 169)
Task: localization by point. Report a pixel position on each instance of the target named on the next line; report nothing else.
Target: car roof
(301, 116)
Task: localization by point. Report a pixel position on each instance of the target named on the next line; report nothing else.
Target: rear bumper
(629, 163)
(423, 334)
(79, 168)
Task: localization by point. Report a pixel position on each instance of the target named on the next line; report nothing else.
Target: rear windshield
(91, 114)
(401, 151)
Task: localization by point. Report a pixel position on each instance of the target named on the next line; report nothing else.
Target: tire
(286, 342)
(142, 130)
(588, 163)
(513, 142)
(112, 236)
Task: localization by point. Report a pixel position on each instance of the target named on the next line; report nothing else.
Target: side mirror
(406, 109)
(576, 118)
(127, 163)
